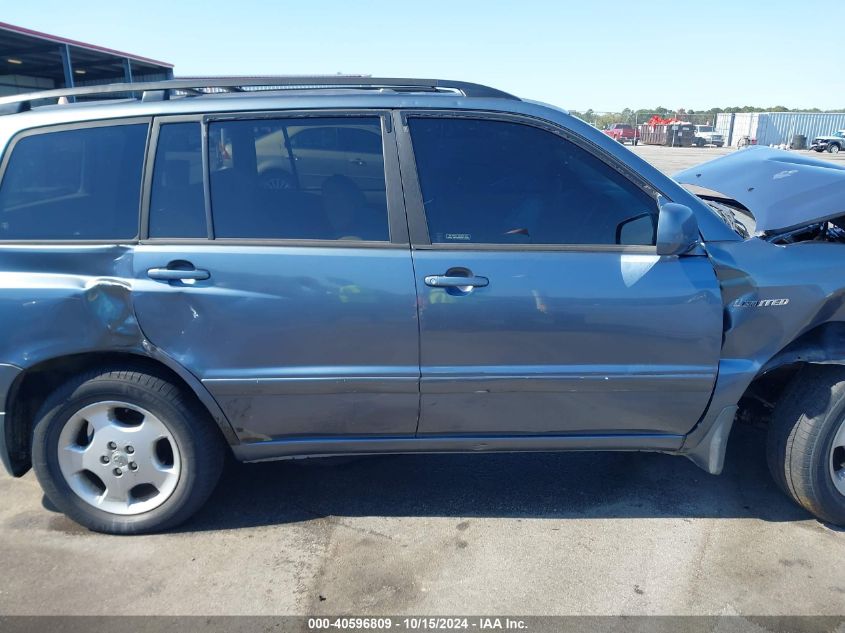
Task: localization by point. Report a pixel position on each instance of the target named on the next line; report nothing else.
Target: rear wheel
(833, 148)
(125, 452)
(806, 442)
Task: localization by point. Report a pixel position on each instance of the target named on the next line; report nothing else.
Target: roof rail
(193, 86)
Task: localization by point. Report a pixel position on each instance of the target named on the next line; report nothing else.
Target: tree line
(701, 117)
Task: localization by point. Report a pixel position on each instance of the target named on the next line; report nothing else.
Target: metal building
(776, 128)
(30, 60)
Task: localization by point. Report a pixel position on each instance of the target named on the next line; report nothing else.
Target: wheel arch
(823, 344)
(741, 381)
(34, 383)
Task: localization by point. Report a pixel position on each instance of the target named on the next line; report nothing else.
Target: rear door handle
(449, 281)
(175, 274)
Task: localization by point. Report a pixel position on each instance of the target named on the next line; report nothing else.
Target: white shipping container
(776, 128)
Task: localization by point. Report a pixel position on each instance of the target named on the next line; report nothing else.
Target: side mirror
(677, 229)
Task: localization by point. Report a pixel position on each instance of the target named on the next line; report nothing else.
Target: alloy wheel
(119, 457)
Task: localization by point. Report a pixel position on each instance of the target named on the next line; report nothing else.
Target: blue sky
(605, 54)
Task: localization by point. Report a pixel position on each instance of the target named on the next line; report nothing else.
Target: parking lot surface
(672, 159)
(576, 533)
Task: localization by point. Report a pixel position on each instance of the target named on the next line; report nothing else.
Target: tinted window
(315, 138)
(298, 178)
(177, 200)
(497, 182)
(76, 184)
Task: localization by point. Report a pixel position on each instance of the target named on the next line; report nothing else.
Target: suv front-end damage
(782, 285)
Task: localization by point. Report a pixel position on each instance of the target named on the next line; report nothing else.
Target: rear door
(544, 307)
(294, 305)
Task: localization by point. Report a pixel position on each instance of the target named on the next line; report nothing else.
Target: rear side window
(80, 184)
(177, 199)
(497, 182)
(298, 178)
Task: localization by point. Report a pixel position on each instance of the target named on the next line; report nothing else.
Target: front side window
(74, 185)
(298, 178)
(495, 182)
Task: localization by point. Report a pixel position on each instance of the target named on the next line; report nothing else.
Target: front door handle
(450, 281)
(176, 274)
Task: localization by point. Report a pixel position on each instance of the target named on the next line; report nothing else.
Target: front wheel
(833, 148)
(806, 442)
(124, 451)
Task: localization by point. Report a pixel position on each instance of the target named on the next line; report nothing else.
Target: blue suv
(284, 267)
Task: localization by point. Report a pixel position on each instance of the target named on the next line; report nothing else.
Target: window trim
(397, 221)
(415, 207)
(66, 127)
(396, 216)
(149, 169)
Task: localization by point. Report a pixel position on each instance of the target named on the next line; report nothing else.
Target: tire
(699, 142)
(275, 180)
(833, 148)
(70, 433)
(806, 442)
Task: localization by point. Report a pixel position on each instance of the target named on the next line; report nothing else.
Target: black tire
(833, 148)
(800, 440)
(199, 442)
(275, 180)
(699, 142)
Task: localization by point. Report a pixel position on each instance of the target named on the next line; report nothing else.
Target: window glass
(74, 184)
(498, 182)
(177, 199)
(298, 178)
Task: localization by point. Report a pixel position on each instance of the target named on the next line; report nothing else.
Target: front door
(296, 305)
(544, 307)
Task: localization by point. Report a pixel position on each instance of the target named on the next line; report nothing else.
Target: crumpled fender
(782, 304)
(86, 308)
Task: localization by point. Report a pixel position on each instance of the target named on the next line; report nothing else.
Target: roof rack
(195, 86)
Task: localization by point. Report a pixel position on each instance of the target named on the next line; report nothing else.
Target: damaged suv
(284, 267)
